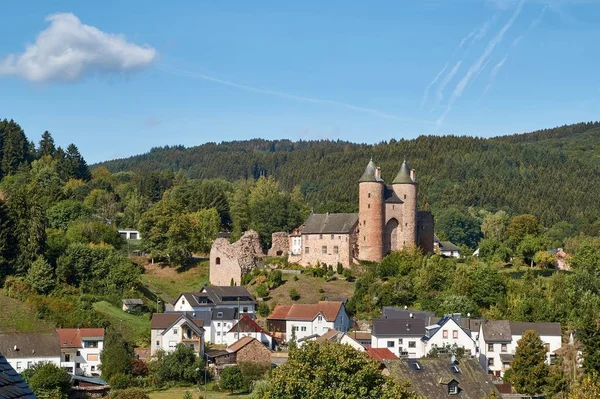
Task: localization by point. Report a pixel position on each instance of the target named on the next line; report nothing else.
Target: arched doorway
(390, 241)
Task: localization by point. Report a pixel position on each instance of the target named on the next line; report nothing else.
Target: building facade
(23, 350)
(80, 350)
(171, 329)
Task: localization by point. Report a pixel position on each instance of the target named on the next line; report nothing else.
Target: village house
(130, 304)
(245, 350)
(23, 350)
(498, 340)
(11, 383)
(80, 350)
(304, 320)
(173, 328)
(130, 234)
(219, 308)
(442, 377)
(247, 327)
(342, 338)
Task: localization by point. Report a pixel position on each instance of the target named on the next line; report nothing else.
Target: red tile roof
(380, 354)
(72, 337)
(247, 324)
(329, 310)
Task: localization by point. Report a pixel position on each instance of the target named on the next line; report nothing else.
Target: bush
(252, 372)
(275, 279)
(340, 268)
(321, 290)
(48, 380)
(263, 310)
(262, 291)
(296, 278)
(119, 381)
(231, 378)
(294, 295)
(139, 368)
(348, 275)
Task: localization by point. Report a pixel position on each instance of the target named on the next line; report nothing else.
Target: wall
(219, 329)
(346, 340)
(425, 229)
(371, 219)
(169, 341)
(230, 261)
(316, 242)
(260, 336)
(463, 340)
(26, 362)
(401, 342)
(254, 352)
(280, 244)
(408, 228)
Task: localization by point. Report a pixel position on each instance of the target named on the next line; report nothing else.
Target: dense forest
(551, 173)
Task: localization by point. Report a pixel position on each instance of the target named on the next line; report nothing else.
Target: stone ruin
(280, 244)
(230, 261)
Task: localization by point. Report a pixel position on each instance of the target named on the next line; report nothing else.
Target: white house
(401, 336)
(23, 350)
(173, 328)
(498, 340)
(211, 297)
(305, 320)
(448, 332)
(130, 234)
(80, 350)
(247, 327)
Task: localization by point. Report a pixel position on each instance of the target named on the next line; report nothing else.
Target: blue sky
(119, 77)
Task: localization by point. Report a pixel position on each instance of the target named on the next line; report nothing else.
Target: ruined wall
(280, 244)
(231, 261)
(425, 228)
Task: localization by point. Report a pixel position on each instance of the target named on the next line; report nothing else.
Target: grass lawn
(17, 317)
(170, 282)
(177, 393)
(135, 329)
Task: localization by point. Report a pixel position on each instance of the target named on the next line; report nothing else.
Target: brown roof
(247, 324)
(29, 345)
(164, 320)
(240, 343)
(380, 354)
(328, 336)
(328, 309)
(360, 335)
(72, 337)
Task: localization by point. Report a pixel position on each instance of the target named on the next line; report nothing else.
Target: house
(23, 350)
(380, 354)
(11, 384)
(498, 340)
(247, 327)
(303, 320)
(361, 337)
(245, 350)
(80, 350)
(448, 332)
(443, 377)
(401, 336)
(130, 234)
(131, 303)
(89, 387)
(446, 248)
(173, 328)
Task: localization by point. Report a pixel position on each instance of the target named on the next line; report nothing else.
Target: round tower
(371, 214)
(405, 187)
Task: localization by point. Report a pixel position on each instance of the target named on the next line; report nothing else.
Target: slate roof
(390, 312)
(390, 196)
(210, 296)
(29, 345)
(133, 301)
(330, 223)
(548, 329)
(496, 331)
(399, 327)
(369, 173)
(431, 380)
(160, 321)
(471, 324)
(307, 312)
(72, 337)
(12, 385)
(89, 380)
(403, 176)
(448, 246)
(380, 354)
(226, 313)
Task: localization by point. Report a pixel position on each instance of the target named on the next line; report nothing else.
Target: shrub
(231, 378)
(340, 268)
(294, 295)
(348, 274)
(48, 380)
(321, 290)
(275, 278)
(263, 310)
(139, 368)
(262, 291)
(296, 278)
(119, 381)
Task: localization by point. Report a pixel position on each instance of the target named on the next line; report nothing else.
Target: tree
(262, 291)
(520, 226)
(75, 164)
(205, 229)
(64, 212)
(332, 370)
(588, 388)
(459, 304)
(231, 378)
(41, 276)
(103, 203)
(93, 232)
(494, 225)
(294, 295)
(46, 147)
(239, 208)
(458, 226)
(116, 356)
(15, 148)
(182, 365)
(528, 370)
(47, 380)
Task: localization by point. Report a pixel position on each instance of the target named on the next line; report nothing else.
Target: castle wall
(371, 217)
(280, 244)
(408, 228)
(229, 262)
(327, 249)
(425, 231)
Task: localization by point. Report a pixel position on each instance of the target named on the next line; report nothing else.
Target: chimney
(413, 175)
(378, 173)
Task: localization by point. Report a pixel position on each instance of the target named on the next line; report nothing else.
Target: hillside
(552, 173)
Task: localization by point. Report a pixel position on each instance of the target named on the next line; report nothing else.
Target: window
(336, 249)
(332, 236)
(69, 370)
(324, 249)
(503, 348)
(455, 334)
(399, 341)
(490, 361)
(92, 357)
(123, 235)
(369, 195)
(547, 346)
(490, 347)
(245, 309)
(452, 389)
(77, 365)
(319, 318)
(391, 344)
(29, 364)
(217, 260)
(320, 236)
(393, 206)
(90, 344)
(93, 368)
(404, 196)
(218, 324)
(295, 328)
(412, 344)
(219, 314)
(369, 206)
(303, 328)
(445, 334)
(218, 333)
(306, 250)
(364, 222)
(78, 353)
(157, 344)
(67, 357)
(175, 331)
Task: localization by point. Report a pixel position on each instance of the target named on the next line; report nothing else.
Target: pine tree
(15, 147)
(46, 145)
(41, 276)
(76, 166)
(528, 370)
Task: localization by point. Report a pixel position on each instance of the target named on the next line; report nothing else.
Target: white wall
(403, 342)
(23, 363)
(452, 330)
(169, 339)
(218, 331)
(346, 340)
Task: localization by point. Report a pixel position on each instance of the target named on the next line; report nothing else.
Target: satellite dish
(15, 348)
(411, 315)
(453, 359)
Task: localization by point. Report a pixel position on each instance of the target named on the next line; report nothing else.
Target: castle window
(336, 249)
(364, 222)
(332, 236)
(320, 236)
(393, 206)
(406, 224)
(404, 196)
(218, 261)
(324, 249)
(306, 250)
(369, 196)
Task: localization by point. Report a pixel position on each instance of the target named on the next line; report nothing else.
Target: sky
(120, 77)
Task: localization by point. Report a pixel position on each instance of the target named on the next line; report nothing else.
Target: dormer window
(319, 318)
(453, 388)
(219, 314)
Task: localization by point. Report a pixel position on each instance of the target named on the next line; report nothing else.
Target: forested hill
(551, 173)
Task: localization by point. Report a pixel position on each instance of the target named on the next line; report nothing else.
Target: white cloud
(68, 50)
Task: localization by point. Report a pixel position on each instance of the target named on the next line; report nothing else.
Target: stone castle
(387, 221)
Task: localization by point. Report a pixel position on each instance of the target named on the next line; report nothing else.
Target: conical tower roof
(403, 176)
(370, 173)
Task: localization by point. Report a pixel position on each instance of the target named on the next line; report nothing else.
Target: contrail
(477, 66)
(447, 79)
(437, 77)
(194, 75)
(494, 72)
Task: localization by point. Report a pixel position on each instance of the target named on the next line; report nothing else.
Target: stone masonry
(230, 261)
(254, 352)
(280, 244)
